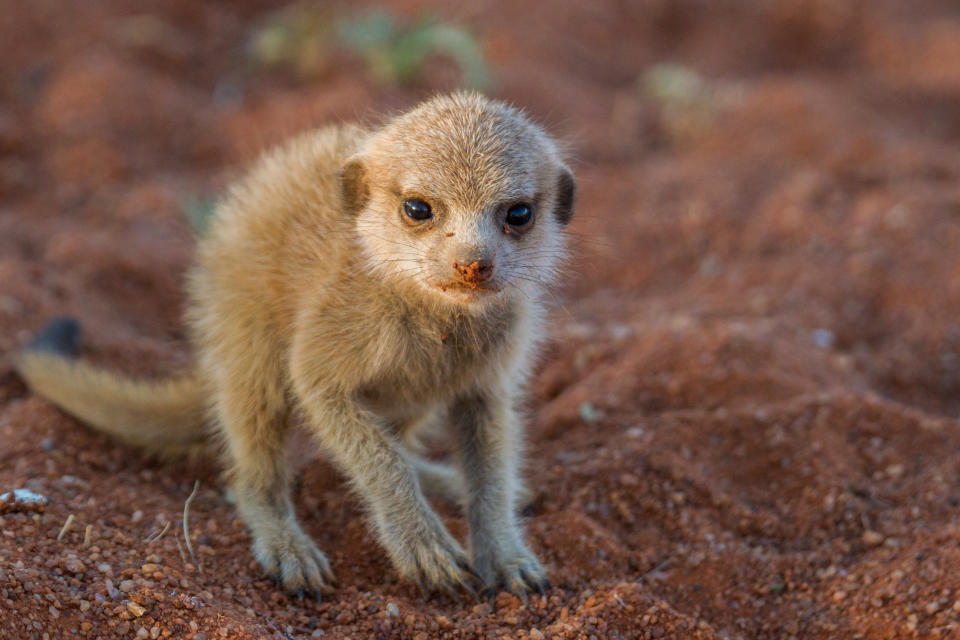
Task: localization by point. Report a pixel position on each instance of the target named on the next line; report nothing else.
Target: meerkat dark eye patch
(417, 210)
(519, 215)
(566, 190)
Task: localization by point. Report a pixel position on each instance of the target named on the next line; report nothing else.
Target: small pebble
(872, 538)
(74, 565)
(823, 338)
(912, 621)
(24, 500)
(25, 496)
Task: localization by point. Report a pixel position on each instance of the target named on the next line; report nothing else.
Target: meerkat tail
(166, 416)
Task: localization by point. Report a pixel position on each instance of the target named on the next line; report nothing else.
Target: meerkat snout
(473, 273)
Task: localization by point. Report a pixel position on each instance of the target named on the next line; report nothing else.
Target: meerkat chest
(438, 359)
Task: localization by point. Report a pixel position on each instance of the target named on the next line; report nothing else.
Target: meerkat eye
(417, 210)
(519, 215)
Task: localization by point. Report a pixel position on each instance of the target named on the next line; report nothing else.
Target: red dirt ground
(748, 427)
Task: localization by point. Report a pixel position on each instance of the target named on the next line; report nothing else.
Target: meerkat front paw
(431, 558)
(291, 557)
(511, 567)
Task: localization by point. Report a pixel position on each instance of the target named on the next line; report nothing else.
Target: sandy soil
(748, 427)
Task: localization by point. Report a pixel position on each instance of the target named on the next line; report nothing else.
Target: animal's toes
(444, 572)
(448, 577)
(302, 570)
(296, 563)
(516, 584)
(519, 576)
(534, 579)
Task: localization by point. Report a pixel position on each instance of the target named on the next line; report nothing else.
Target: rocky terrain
(748, 426)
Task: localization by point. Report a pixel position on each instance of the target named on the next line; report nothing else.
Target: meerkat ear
(353, 186)
(566, 189)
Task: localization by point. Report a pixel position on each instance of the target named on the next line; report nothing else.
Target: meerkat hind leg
(437, 479)
(445, 482)
(260, 483)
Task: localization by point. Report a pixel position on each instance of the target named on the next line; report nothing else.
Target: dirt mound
(747, 428)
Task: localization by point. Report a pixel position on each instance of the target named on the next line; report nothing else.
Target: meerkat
(372, 281)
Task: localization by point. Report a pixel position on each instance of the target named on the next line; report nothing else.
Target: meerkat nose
(476, 272)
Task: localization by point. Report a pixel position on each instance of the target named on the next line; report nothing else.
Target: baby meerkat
(372, 281)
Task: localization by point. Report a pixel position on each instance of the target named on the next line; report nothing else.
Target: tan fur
(314, 294)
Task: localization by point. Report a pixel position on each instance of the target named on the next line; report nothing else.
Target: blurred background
(750, 421)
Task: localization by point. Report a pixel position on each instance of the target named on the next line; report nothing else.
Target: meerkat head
(462, 197)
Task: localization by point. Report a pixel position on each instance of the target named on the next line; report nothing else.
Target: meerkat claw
(469, 589)
(452, 594)
(467, 568)
(490, 591)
